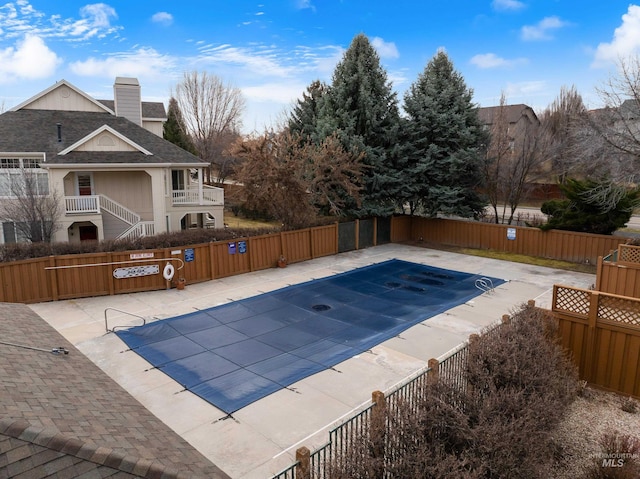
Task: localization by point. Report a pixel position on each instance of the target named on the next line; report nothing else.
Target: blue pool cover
(234, 354)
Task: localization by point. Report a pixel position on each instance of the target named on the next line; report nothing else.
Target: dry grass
(240, 222)
(512, 257)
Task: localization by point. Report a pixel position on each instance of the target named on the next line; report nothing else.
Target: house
(522, 129)
(518, 117)
(107, 163)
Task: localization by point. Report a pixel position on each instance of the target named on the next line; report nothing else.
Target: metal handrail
(485, 284)
(106, 326)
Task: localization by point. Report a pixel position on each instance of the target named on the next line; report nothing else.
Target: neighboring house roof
(36, 131)
(513, 113)
(62, 416)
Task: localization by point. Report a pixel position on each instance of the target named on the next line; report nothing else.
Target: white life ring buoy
(168, 272)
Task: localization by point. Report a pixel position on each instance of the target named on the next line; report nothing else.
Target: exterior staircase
(137, 227)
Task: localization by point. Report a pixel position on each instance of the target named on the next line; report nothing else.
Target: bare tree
(32, 208)
(607, 140)
(291, 180)
(513, 159)
(212, 113)
(497, 158)
(560, 123)
(525, 166)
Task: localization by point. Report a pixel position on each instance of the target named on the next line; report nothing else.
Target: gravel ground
(592, 415)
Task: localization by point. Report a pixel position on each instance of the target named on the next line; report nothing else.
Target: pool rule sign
(135, 271)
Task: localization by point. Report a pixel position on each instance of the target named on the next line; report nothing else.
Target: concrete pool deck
(261, 439)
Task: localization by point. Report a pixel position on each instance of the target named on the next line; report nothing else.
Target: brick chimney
(127, 98)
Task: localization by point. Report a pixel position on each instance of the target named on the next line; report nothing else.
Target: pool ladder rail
(485, 285)
(112, 330)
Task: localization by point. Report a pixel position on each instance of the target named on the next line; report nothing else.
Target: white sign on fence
(134, 271)
(140, 255)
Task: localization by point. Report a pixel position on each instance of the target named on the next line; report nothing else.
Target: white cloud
(541, 31)
(141, 63)
(21, 17)
(284, 93)
(29, 59)
(525, 89)
(626, 39)
(507, 5)
(304, 4)
(385, 49)
(491, 60)
(98, 15)
(163, 18)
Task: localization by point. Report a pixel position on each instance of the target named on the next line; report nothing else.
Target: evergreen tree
(174, 129)
(303, 119)
(362, 109)
(591, 207)
(443, 148)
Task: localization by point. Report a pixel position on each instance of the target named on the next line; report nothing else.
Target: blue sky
(272, 50)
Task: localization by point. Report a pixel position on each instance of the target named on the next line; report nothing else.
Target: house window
(177, 179)
(85, 184)
(22, 176)
(15, 232)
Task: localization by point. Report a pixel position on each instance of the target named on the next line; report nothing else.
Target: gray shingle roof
(512, 112)
(36, 131)
(62, 416)
(150, 109)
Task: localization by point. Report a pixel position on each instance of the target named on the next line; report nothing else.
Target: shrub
(518, 382)
(21, 251)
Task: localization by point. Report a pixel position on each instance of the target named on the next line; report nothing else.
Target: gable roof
(99, 131)
(36, 131)
(512, 112)
(59, 85)
(63, 414)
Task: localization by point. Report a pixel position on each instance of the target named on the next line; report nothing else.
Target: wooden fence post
(378, 429)
(589, 354)
(53, 278)
(434, 373)
(303, 463)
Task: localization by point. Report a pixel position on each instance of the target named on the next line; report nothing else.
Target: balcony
(211, 196)
(82, 204)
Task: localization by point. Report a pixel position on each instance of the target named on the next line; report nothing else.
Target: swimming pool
(237, 353)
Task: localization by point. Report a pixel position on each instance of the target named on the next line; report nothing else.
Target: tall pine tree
(174, 129)
(362, 109)
(303, 119)
(442, 150)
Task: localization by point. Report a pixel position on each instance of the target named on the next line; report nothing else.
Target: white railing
(119, 211)
(210, 196)
(81, 204)
(143, 228)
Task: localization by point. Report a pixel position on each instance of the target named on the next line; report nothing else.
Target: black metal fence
(408, 394)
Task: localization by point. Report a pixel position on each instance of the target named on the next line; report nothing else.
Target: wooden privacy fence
(619, 272)
(83, 275)
(76, 276)
(97, 274)
(602, 332)
(554, 244)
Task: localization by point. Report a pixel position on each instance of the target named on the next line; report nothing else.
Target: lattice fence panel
(629, 253)
(619, 309)
(572, 300)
